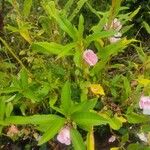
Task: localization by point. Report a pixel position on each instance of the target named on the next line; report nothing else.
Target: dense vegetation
(75, 74)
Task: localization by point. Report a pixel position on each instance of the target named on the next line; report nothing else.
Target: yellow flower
(97, 89)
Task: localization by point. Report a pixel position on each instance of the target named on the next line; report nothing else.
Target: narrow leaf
(77, 140)
(146, 26)
(35, 119)
(9, 109)
(2, 108)
(66, 97)
(54, 127)
(27, 7)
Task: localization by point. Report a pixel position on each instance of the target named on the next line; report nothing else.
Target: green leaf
(134, 13)
(31, 95)
(24, 78)
(88, 118)
(84, 106)
(77, 140)
(115, 123)
(2, 108)
(12, 28)
(106, 53)
(81, 27)
(99, 27)
(66, 97)
(67, 6)
(47, 48)
(54, 127)
(146, 26)
(67, 50)
(99, 35)
(145, 128)
(137, 118)
(94, 11)
(80, 4)
(53, 48)
(126, 28)
(2, 123)
(9, 109)
(78, 58)
(127, 87)
(52, 103)
(62, 21)
(10, 90)
(136, 146)
(140, 52)
(1, 129)
(35, 119)
(111, 50)
(66, 25)
(27, 7)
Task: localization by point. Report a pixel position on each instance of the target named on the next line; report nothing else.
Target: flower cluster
(116, 25)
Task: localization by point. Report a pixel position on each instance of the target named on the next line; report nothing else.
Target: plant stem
(14, 55)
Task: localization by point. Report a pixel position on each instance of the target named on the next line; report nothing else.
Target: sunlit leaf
(77, 140)
(53, 129)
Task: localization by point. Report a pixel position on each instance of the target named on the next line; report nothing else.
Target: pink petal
(64, 136)
(90, 57)
(144, 102)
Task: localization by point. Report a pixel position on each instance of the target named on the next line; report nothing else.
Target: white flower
(114, 39)
(142, 137)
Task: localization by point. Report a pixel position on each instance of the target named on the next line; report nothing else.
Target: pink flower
(90, 57)
(64, 136)
(13, 130)
(112, 139)
(144, 104)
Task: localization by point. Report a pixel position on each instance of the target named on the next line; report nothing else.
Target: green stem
(13, 54)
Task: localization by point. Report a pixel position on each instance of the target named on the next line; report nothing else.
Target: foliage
(45, 83)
